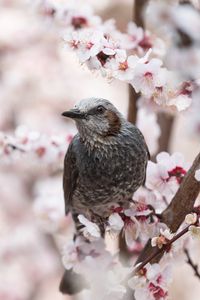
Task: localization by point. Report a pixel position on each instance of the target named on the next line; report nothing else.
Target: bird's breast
(115, 175)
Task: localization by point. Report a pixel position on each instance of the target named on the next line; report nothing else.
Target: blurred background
(39, 80)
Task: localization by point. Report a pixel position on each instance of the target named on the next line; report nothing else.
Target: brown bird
(104, 165)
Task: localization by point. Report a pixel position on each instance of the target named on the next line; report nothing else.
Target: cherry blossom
(162, 239)
(149, 76)
(115, 223)
(191, 218)
(134, 37)
(197, 175)
(152, 283)
(122, 66)
(86, 44)
(91, 230)
(195, 231)
(35, 145)
(166, 175)
(103, 51)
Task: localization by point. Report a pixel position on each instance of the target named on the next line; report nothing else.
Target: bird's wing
(70, 176)
(134, 129)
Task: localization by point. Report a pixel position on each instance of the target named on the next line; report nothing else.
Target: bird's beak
(74, 114)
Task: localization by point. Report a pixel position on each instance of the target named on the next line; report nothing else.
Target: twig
(165, 248)
(181, 204)
(15, 147)
(190, 262)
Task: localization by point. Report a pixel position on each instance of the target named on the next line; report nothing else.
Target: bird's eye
(100, 109)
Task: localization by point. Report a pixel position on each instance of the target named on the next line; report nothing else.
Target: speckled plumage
(103, 170)
(108, 175)
(105, 162)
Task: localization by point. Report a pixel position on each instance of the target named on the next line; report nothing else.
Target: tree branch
(166, 122)
(190, 262)
(138, 10)
(159, 251)
(181, 205)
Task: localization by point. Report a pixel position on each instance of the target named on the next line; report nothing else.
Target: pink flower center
(89, 45)
(74, 44)
(123, 66)
(186, 88)
(40, 151)
(157, 291)
(49, 11)
(148, 75)
(177, 172)
(102, 57)
(141, 207)
(79, 22)
(118, 209)
(145, 43)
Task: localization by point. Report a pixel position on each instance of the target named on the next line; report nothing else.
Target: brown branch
(138, 10)
(181, 204)
(166, 122)
(159, 251)
(132, 105)
(190, 262)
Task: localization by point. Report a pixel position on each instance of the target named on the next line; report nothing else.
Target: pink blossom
(166, 175)
(149, 76)
(134, 36)
(115, 222)
(122, 66)
(197, 175)
(191, 218)
(181, 102)
(91, 230)
(162, 239)
(194, 231)
(86, 43)
(152, 283)
(138, 223)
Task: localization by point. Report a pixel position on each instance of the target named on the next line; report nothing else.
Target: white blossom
(115, 222)
(195, 231)
(197, 175)
(91, 230)
(191, 218)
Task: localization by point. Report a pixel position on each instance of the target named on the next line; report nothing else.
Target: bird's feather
(70, 176)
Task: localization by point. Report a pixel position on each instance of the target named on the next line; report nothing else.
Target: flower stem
(162, 250)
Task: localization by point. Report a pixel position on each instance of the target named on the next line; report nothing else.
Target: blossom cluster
(152, 282)
(135, 56)
(34, 147)
(166, 174)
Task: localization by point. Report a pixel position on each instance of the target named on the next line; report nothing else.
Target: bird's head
(96, 117)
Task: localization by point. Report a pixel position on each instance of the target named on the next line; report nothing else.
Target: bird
(104, 165)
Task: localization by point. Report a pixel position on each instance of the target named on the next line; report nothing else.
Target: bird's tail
(72, 283)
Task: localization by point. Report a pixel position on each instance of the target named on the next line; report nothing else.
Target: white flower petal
(197, 175)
